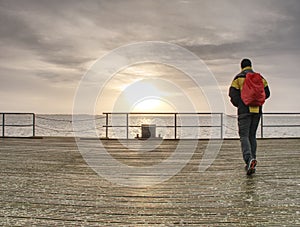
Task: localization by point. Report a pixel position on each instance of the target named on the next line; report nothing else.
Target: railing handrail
(262, 125)
(175, 126)
(17, 125)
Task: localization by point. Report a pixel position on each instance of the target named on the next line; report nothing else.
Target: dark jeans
(248, 124)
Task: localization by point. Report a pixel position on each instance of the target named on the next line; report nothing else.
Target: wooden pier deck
(46, 182)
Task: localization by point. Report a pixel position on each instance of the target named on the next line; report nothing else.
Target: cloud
(58, 30)
(56, 41)
(260, 28)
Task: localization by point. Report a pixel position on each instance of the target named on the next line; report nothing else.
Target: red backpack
(253, 92)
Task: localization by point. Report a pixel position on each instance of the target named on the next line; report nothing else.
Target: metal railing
(12, 124)
(4, 123)
(175, 124)
(263, 125)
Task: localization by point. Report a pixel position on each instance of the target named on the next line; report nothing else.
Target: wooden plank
(47, 182)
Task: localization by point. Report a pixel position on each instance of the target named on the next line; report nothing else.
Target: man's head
(246, 63)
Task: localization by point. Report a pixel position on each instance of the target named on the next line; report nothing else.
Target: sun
(153, 104)
(146, 95)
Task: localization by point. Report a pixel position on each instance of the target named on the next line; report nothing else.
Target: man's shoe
(246, 169)
(251, 167)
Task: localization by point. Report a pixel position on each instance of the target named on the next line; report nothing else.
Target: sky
(47, 47)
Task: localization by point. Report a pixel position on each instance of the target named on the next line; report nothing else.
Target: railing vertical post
(106, 125)
(262, 126)
(175, 126)
(221, 125)
(3, 124)
(127, 126)
(33, 124)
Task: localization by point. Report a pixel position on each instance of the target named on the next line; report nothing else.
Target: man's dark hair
(245, 63)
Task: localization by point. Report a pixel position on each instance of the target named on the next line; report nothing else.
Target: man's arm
(267, 90)
(234, 93)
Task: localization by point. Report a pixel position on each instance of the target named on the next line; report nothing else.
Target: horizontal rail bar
(281, 126)
(281, 113)
(17, 125)
(162, 113)
(12, 113)
(162, 126)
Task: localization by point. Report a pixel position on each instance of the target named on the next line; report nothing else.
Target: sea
(164, 125)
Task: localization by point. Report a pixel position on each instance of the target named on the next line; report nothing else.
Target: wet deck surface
(46, 182)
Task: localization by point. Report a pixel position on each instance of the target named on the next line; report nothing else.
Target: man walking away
(248, 92)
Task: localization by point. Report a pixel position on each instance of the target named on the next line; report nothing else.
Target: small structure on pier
(148, 131)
